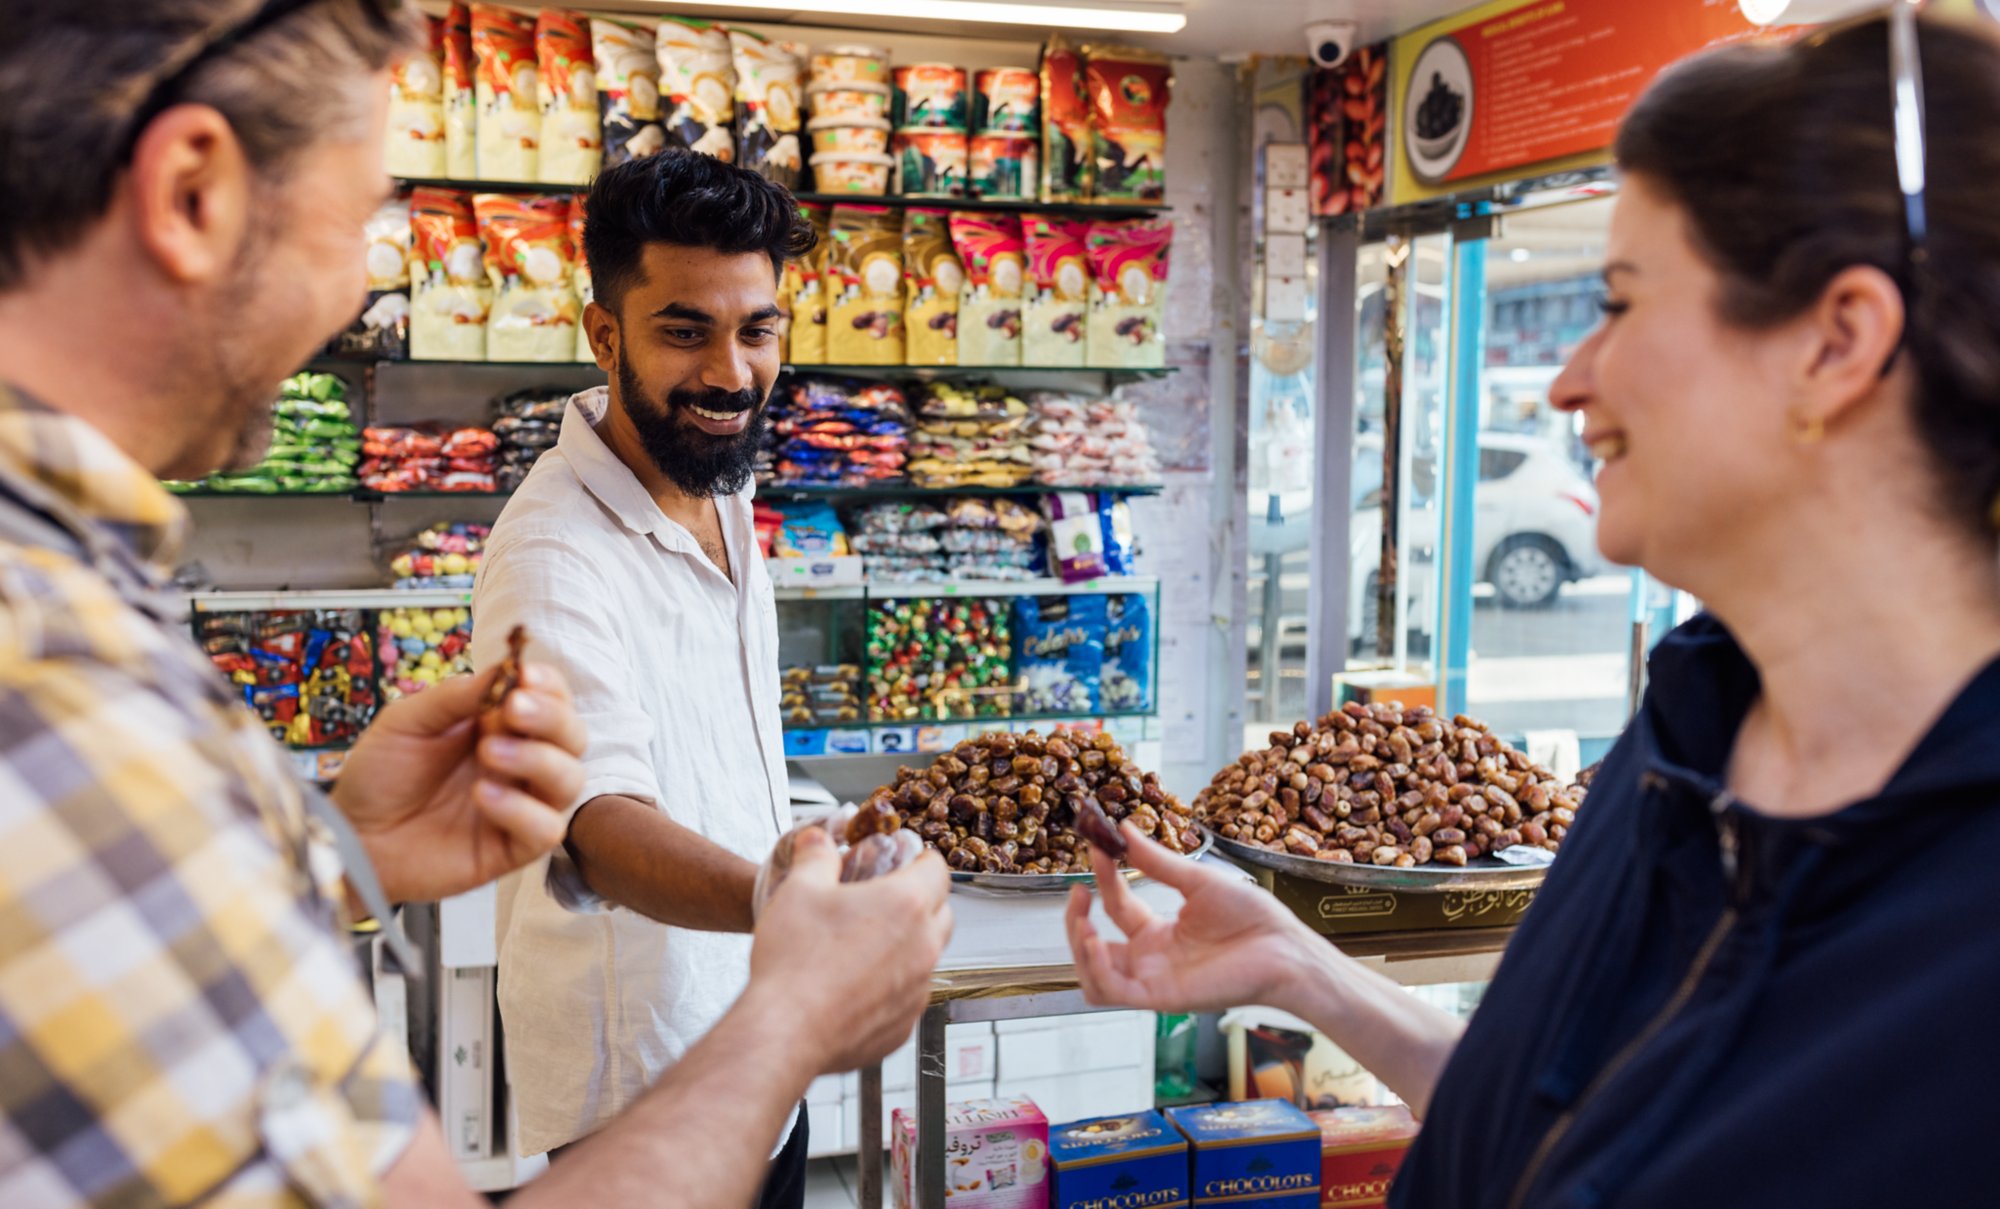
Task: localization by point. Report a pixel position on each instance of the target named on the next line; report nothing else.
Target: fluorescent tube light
(1122, 18)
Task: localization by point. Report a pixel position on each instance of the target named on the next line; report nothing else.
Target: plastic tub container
(858, 136)
(860, 174)
(1007, 100)
(841, 66)
(931, 162)
(929, 94)
(849, 103)
(1005, 166)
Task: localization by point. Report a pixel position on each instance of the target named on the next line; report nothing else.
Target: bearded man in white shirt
(631, 553)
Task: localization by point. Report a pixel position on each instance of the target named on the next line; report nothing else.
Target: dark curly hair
(691, 200)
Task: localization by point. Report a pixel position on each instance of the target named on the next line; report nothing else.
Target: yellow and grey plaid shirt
(180, 1018)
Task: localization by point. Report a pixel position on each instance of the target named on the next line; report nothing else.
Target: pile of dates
(1007, 803)
(1385, 785)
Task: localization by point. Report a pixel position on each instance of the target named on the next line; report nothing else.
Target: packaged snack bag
(1058, 291)
(580, 276)
(1128, 91)
(1061, 656)
(1128, 655)
(807, 337)
(461, 104)
(447, 278)
(572, 130)
(1067, 151)
(933, 279)
(528, 258)
(383, 328)
(1076, 536)
(415, 144)
(698, 85)
(989, 312)
(1128, 280)
(768, 94)
(628, 86)
(865, 275)
(510, 116)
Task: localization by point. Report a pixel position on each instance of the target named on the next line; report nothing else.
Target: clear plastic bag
(870, 839)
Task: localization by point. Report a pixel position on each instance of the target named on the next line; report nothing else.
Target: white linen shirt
(675, 673)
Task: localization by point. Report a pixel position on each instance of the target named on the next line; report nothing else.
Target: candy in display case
(939, 659)
(309, 675)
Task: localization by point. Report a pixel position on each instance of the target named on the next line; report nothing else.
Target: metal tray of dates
(1051, 883)
(1480, 873)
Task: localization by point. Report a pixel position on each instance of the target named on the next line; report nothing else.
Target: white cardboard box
(1044, 1024)
(1089, 1043)
(826, 1130)
(1077, 1097)
(832, 571)
(465, 1059)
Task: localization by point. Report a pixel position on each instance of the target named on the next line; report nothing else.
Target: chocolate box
(1360, 1152)
(1260, 1152)
(996, 1155)
(1128, 1162)
(1344, 910)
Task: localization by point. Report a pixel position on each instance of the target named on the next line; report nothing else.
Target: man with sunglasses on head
(181, 1019)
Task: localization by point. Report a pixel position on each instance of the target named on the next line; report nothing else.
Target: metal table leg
(868, 1158)
(930, 1108)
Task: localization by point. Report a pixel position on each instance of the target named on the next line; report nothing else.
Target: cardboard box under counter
(1128, 1162)
(996, 1155)
(1342, 910)
(1264, 1153)
(1361, 1149)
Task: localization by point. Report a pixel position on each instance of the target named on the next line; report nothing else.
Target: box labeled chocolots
(1361, 1150)
(1260, 1152)
(996, 1155)
(1129, 1162)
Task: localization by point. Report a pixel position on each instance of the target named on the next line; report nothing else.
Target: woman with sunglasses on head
(1760, 972)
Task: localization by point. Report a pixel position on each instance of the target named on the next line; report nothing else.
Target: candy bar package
(566, 88)
(445, 556)
(1068, 152)
(989, 311)
(1128, 654)
(865, 275)
(1128, 92)
(528, 257)
(1076, 536)
(933, 279)
(310, 676)
(628, 86)
(448, 294)
(871, 843)
(460, 94)
(807, 275)
(768, 94)
(1053, 319)
(383, 328)
(509, 94)
(1128, 293)
(698, 85)
(580, 279)
(1060, 659)
(415, 144)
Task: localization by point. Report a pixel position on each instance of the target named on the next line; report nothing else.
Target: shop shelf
(1106, 585)
(883, 491)
(210, 493)
(1006, 720)
(844, 592)
(223, 601)
(368, 496)
(861, 371)
(1106, 209)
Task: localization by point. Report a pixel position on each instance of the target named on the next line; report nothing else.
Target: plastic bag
(628, 86)
(871, 841)
(566, 92)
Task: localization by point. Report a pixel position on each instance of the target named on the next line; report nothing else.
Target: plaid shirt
(181, 1020)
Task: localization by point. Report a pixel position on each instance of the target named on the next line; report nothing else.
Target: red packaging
(1361, 1150)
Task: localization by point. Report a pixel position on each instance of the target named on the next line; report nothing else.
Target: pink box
(996, 1155)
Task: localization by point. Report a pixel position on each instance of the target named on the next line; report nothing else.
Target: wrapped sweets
(445, 556)
(992, 539)
(527, 423)
(939, 659)
(314, 444)
(309, 675)
(970, 437)
(837, 432)
(421, 647)
(822, 695)
(430, 457)
(1076, 441)
(899, 542)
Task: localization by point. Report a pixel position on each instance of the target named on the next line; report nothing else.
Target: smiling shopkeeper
(631, 551)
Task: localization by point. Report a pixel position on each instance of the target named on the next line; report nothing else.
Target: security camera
(1330, 42)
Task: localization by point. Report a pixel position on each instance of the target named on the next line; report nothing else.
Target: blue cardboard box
(1257, 1152)
(1129, 1162)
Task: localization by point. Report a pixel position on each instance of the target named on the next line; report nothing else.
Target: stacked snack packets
(970, 437)
(1083, 442)
(426, 645)
(445, 556)
(528, 423)
(314, 446)
(309, 675)
(904, 542)
(837, 432)
(430, 457)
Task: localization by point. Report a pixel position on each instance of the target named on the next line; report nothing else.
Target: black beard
(701, 465)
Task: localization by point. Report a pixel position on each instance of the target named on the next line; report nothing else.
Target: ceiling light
(1519, 255)
(1801, 12)
(1124, 18)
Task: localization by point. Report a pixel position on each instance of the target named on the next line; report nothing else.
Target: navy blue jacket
(1800, 1022)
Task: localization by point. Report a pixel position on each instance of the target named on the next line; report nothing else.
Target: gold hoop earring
(1810, 430)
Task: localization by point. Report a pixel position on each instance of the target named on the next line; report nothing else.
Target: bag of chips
(767, 106)
(566, 88)
(528, 258)
(989, 311)
(510, 114)
(1128, 291)
(580, 279)
(383, 328)
(806, 277)
(1058, 290)
(628, 86)
(448, 297)
(698, 85)
(460, 95)
(1067, 149)
(934, 279)
(415, 144)
(865, 276)
(810, 531)
(1128, 91)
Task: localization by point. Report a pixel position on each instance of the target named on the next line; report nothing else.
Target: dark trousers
(784, 1185)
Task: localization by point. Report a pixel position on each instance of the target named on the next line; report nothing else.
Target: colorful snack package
(528, 257)
(1068, 165)
(1007, 100)
(989, 313)
(809, 293)
(1127, 686)
(415, 144)
(1058, 290)
(865, 275)
(1076, 536)
(1128, 276)
(580, 276)
(566, 84)
(698, 85)
(448, 298)
(461, 104)
(1061, 654)
(628, 86)
(933, 279)
(510, 116)
(1128, 91)
(383, 328)
(767, 106)
(1004, 166)
(810, 531)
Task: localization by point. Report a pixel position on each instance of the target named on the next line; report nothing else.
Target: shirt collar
(61, 466)
(606, 476)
